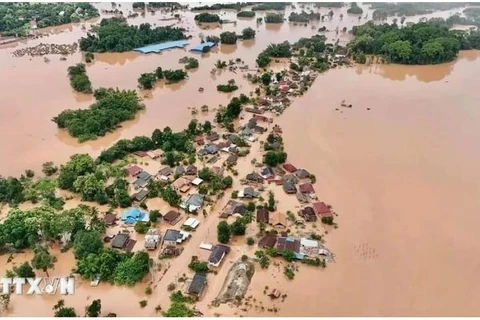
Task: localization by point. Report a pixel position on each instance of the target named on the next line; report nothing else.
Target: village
(290, 224)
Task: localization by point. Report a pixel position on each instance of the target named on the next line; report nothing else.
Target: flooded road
(403, 176)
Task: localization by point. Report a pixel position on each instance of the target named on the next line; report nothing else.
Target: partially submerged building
(219, 252)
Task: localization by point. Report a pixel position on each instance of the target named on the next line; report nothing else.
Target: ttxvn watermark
(38, 286)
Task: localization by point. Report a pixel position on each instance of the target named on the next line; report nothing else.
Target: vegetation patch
(207, 17)
(110, 109)
(229, 87)
(116, 35)
(79, 79)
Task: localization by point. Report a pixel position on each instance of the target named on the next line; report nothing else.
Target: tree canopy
(228, 37)
(207, 17)
(110, 109)
(421, 43)
(116, 35)
(79, 79)
(15, 17)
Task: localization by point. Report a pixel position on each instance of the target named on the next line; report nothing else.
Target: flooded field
(400, 168)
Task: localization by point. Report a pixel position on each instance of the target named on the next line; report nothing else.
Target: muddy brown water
(403, 176)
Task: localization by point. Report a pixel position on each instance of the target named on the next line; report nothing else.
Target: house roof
(218, 252)
(192, 223)
(144, 175)
(278, 218)
(171, 216)
(140, 182)
(308, 213)
(288, 243)
(211, 149)
(306, 188)
(266, 172)
(302, 173)
(232, 159)
(218, 171)
(290, 177)
(166, 171)
(289, 187)
(289, 167)
(228, 208)
(198, 284)
(213, 136)
(120, 240)
(179, 170)
(181, 182)
(263, 215)
(172, 235)
(140, 195)
(197, 181)
(191, 170)
(240, 208)
(195, 200)
(110, 218)
(267, 241)
(322, 209)
(134, 170)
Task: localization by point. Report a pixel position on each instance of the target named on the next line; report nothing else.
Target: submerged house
(289, 243)
(254, 177)
(302, 174)
(306, 188)
(122, 241)
(181, 184)
(173, 237)
(172, 217)
(248, 193)
(133, 170)
(193, 203)
(289, 187)
(322, 209)
(219, 252)
(207, 45)
(142, 179)
(191, 170)
(267, 173)
(308, 213)
(268, 241)
(263, 215)
(133, 215)
(140, 195)
(198, 285)
(278, 220)
(152, 239)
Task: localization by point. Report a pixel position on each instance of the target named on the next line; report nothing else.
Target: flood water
(403, 176)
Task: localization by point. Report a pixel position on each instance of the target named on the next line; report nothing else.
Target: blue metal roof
(200, 47)
(132, 215)
(162, 46)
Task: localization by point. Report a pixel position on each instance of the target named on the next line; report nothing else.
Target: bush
(250, 241)
(141, 227)
(79, 79)
(199, 266)
(207, 17)
(229, 87)
(327, 220)
(246, 14)
(143, 303)
(274, 18)
(148, 290)
(228, 37)
(248, 33)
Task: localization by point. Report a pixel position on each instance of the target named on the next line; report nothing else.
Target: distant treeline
(115, 35)
(224, 6)
(386, 9)
(422, 43)
(15, 17)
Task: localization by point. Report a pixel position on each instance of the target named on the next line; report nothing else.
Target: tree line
(147, 80)
(116, 35)
(422, 43)
(15, 17)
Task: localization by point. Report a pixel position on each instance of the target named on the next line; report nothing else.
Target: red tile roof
(289, 167)
(306, 188)
(134, 170)
(322, 209)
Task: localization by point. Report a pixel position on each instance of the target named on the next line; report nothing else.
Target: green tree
(87, 242)
(89, 186)
(238, 227)
(62, 311)
(250, 241)
(147, 80)
(49, 169)
(155, 215)
(223, 232)
(228, 37)
(42, 259)
(399, 51)
(207, 127)
(248, 33)
(94, 309)
(274, 158)
(141, 227)
(171, 196)
(132, 270)
(24, 270)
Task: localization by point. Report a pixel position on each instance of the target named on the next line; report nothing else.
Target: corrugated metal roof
(162, 46)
